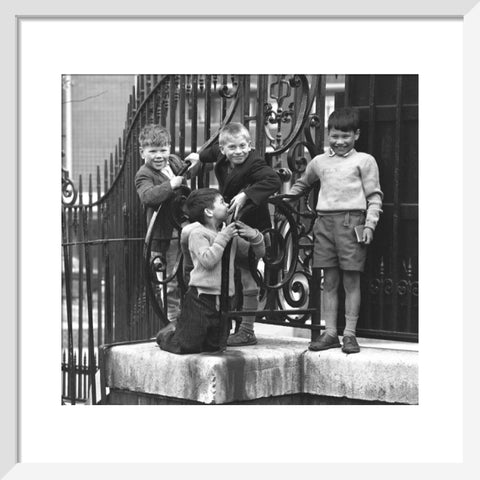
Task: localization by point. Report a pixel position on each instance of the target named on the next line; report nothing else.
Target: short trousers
(199, 327)
(335, 243)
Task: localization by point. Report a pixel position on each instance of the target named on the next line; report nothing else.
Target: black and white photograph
(227, 279)
(240, 239)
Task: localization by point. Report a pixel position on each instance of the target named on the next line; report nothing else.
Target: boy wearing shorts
(349, 196)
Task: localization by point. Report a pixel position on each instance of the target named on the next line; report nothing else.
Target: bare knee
(351, 281)
(331, 279)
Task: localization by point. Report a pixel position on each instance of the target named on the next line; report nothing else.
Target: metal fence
(107, 294)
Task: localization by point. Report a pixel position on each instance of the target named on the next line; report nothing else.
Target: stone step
(275, 367)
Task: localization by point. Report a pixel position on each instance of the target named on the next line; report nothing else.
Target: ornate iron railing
(108, 275)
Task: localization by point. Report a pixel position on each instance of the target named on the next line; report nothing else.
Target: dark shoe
(166, 331)
(242, 338)
(350, 344)
(324, 343)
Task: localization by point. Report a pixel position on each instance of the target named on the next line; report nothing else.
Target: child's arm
(263, 181)
(210, 154)
(250, 237)
(194, 159)
(210, 254)
(184, 168)
(305, 181)
(367, 235)
(373, 194)
(152, 195)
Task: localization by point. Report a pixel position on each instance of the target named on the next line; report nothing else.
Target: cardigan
(206, 249)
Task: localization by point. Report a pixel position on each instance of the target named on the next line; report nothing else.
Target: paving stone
(276, 366)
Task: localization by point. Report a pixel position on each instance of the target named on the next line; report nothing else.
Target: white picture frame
(12, 304)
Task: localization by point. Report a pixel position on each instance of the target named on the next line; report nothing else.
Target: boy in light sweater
(199, 327)
(349, 196)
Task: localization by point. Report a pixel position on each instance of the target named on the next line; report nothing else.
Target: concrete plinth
(272, 368)
(277, 369)
(373, 374)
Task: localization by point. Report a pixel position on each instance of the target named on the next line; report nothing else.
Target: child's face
(342, 142)
(236, 149)
(219, 209)
(156, 156)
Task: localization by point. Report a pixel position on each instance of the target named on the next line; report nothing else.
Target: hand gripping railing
(290, 287)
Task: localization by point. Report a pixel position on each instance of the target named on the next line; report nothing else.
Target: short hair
(198, 201)
(153, 135)
(345, 119)
(233, 129)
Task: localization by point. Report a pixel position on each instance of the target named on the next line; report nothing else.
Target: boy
(199, 327)
(349, 196)
(246, 182)
(156, 182)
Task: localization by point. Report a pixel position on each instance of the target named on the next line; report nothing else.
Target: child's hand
(246, 231)
(176, 182)
(237, 202)
(367, 235)
(194, 158)
(230, 230)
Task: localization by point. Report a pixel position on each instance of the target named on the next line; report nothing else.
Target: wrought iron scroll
(288, 280)
(289, 285)
(69, 193)
(295, 114)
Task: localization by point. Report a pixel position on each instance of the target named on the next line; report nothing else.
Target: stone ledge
(373, 374)
(271, 368)
(275, 367)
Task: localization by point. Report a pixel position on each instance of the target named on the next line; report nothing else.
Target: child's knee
(331, 279)
(248, 283)
(351, 281)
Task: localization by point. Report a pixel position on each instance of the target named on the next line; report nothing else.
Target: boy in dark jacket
(156, 182)
(246, 181)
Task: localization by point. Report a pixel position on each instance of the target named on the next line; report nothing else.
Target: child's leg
(245, 334)
(173, 293)
(250, 298)
(351, 284)
(191, 329)
(329, 339)
(217, 332)
(331, 281)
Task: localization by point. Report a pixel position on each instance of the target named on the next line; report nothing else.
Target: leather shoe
(324, 343)
(241, 338)
(350, 344)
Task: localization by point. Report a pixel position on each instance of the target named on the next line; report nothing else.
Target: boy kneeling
(199, 327)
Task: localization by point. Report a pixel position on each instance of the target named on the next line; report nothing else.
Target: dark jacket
(154, 189)
(253, 176)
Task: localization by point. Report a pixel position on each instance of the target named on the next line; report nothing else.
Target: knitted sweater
(206, 249)
(346, 183)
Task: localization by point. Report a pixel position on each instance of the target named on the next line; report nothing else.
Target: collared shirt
(168, 172)
(331, 153)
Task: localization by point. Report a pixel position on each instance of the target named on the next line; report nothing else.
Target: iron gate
(105, 295)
